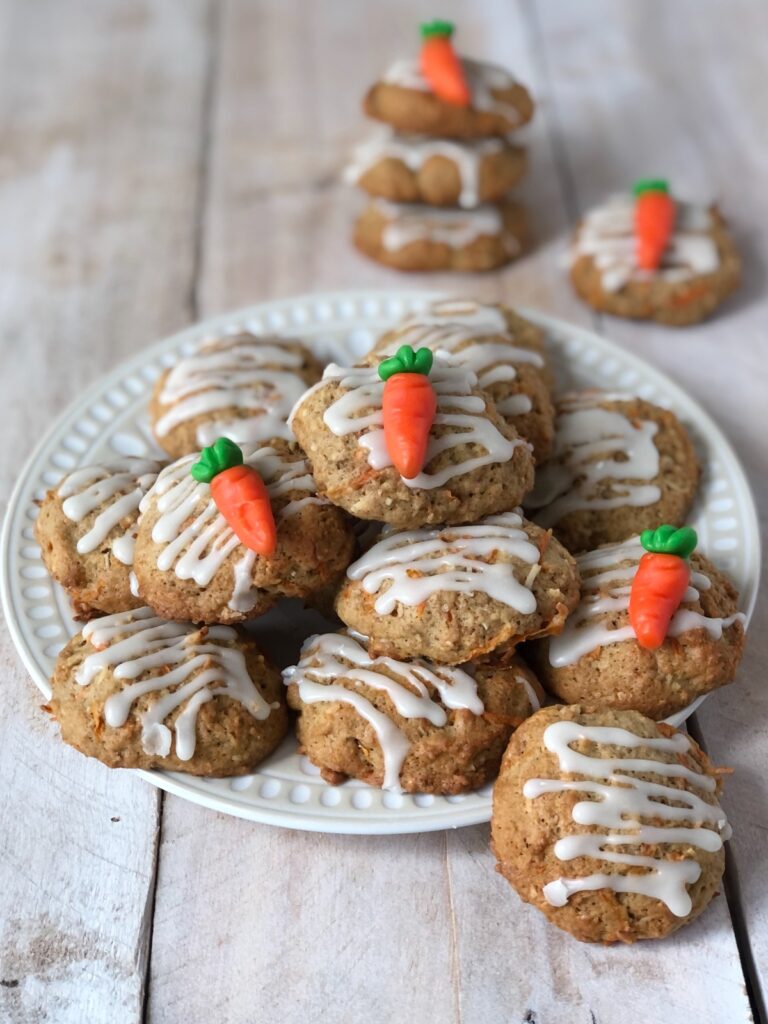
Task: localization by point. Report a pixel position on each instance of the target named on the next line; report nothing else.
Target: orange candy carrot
(654, 221)
(409, 405)
(660, 582)
(240, 495)
(440, 65)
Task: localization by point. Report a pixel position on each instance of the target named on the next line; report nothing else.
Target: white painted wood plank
(99, 115)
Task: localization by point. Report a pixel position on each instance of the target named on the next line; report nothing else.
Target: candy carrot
(660, 582)
(440, 65)
(654, 221)
(409, 405)
(240, 495)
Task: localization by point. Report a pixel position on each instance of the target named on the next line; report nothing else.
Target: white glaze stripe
(413, 222)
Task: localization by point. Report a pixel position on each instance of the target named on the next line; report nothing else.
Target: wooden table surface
(163, 160)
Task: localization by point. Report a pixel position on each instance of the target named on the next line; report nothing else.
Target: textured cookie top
(602, 618)
(103, 501)
(408, 223)
(242, 387)
(166, 667)
(607, 236)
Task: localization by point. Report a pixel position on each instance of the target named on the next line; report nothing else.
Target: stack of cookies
(440, 174)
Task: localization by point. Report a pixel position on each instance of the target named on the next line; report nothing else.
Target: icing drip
(419, 563)
(592, 445)
(119, 487)
(415, 222)
(607, 235)
(246, 372)
(338, 656)
(619, 802)
(415, 150)
(533, 698)
(483, 80)
(195, 539)
(605, 587)
(359, 411)
(152, 654)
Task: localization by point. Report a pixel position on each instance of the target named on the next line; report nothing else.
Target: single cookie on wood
(454, 594)
(409, 726)
(619, 465)
(86, 530)
(608, 823)
(439, 172)
(418, 237)
(136, 691)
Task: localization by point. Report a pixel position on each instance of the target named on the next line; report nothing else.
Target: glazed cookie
(505, 351)
(417, 237)
(597, 659)
(608, 823)
(474, 465)
(240, 386)
(697, 269)
(408, 726)
(457, 593)
(136, 691)
(620, 465)
(439, 172)
(190, 564)
(86, 530)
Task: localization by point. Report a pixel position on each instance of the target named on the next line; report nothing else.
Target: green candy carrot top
(654, 221)
(660, 582)
(440, 65)
(409, 405)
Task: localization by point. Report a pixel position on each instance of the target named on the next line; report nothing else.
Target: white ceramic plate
(111, 418)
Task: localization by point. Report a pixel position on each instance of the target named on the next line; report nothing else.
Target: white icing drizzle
(332, 656)
(415, 150)
(607, 234)
(419, 563)
(605, 587)
(358, 410)
(152, 654)
(620, 801)
(593, 444)
(482, 79)
(119, 487)
(415, 222)
(533, 698)
(247, 372)
(194, 537)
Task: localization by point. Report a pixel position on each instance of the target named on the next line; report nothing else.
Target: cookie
(505, 351)
(408, 726)
(190, 565)
(619, 465)
(454, 594)
(699, 268)
(405, 101)
(240, 386)
(86, 530)
(439, 172)
(136, 691)
(418, 237)
(597, 660)
(608, 823)
(475, 463)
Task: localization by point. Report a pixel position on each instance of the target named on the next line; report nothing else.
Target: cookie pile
(439, 175)
(389, 495)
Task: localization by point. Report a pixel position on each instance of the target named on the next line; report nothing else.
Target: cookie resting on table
(240, 386)
(453, 594)
(190, 564)
(418, 237)
(438, 172)
(86, 530)
(136, 691)
(409, 726)
(598, 659)
(475, 464)
(505, 351)
(608, 823)
(696, 269)
(619, 465)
